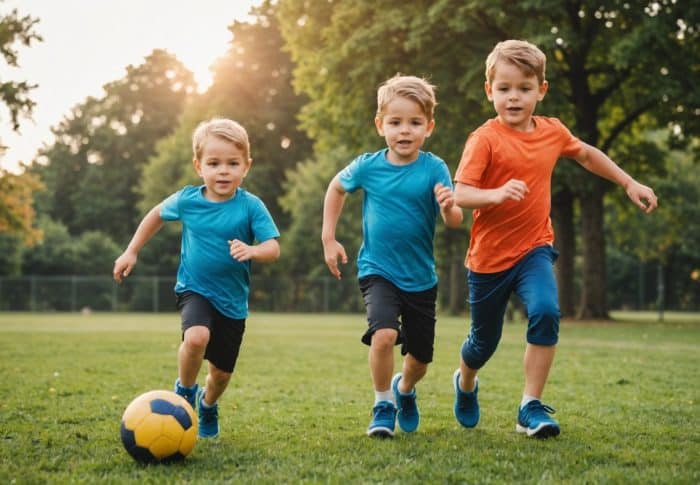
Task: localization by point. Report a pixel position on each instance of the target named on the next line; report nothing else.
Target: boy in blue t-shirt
(220, 224)
(405, 190)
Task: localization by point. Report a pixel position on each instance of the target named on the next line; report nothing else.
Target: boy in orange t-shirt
(505, 177)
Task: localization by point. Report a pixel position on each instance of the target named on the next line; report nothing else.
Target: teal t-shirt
(206, 266)
(399, 211)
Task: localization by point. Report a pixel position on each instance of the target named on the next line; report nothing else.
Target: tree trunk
(565, 243)
(457, 283)
(593, 303)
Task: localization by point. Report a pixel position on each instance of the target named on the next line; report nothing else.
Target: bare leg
(216, 383)
(467, 377)
(537, 361)
(381, 358)
(191, 354)
(413, 371)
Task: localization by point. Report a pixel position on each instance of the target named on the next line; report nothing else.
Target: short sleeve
(351, 176)
(170, 209)
(475, 159)
(571, 145)
(261, 222)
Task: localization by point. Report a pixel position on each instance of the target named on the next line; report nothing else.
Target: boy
(404, 191)
(505, 176)
(220, 222)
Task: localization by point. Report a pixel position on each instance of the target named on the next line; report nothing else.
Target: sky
(89, 43)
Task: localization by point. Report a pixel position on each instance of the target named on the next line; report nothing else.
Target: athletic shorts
(411, 314)
(225, 334)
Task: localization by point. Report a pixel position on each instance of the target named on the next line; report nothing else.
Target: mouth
(514, 110)
(404, 143)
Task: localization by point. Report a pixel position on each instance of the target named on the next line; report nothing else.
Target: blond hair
(409, 87)
(223, 128)
(525, 56)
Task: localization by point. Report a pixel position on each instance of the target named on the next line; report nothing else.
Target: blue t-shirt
(399, 210)
(206, 265)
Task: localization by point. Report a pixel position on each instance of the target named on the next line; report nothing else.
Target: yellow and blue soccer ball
(159, 427)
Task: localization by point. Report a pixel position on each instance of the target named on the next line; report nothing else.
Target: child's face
(222, 167)
(514, 95)
(405, 127)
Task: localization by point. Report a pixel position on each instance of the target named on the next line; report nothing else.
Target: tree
(615, 69)
(16, 211)
(16, 29)
(93, 169)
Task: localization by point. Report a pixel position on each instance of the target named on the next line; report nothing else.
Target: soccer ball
(159, 427)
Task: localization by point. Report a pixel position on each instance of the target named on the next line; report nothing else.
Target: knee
(543, 323)
(197, 338)
(477, 351)
(384, 339)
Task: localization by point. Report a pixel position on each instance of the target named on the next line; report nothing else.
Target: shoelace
(209, 413)
(540, 410)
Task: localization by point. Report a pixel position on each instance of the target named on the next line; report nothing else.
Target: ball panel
(159, 427)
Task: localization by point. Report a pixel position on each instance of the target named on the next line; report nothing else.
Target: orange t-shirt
(495, 153)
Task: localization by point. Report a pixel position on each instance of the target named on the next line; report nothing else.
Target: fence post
(660, 290)
(155, 294)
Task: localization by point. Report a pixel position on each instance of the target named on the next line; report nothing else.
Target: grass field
(626, 395)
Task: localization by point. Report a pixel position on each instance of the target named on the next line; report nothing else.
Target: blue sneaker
(189, 393)
(208, 418)
(533, 419)
(408, 414)
(466, 403)
(383, 418)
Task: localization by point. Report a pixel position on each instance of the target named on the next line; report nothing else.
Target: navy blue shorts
(386, 303)
(225, 334)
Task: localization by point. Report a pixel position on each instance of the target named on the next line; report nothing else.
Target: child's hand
(240, 251)
(123, 266)
(444, 196)
(642, 196)
(512, 190)
(332, 250)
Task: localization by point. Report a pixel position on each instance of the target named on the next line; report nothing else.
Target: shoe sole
(542, 431)
(380, 432)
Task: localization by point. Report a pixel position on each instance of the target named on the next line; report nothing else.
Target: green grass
(626, 395)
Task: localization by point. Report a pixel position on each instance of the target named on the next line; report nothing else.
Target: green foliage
(94, 167)
(14, 95)
(624, 418)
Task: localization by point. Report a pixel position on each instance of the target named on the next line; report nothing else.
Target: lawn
(626, 395)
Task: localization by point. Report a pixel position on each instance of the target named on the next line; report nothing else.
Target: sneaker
(408, 414)
(383, 418)
(466, 404)
(189, 393)
(533, 419)
(208, 418)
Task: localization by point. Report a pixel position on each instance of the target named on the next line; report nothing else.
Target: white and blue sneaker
(208, 418)
(383, 419)
(408, 414)
(466, 406)
(534, 420)
(189, 393)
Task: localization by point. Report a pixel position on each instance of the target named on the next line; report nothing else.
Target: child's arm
(470, 197)
(265, 252)
(148, 227)
(451, 213)
(597, 162)
(332, 207)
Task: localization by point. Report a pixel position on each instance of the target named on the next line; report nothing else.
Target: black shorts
(386, 303)
(225, 334)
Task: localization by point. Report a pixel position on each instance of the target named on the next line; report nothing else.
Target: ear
(247, 169)
(378, 125)
(542, 90)
(197, 166)
(430, 128)
(488, 91)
